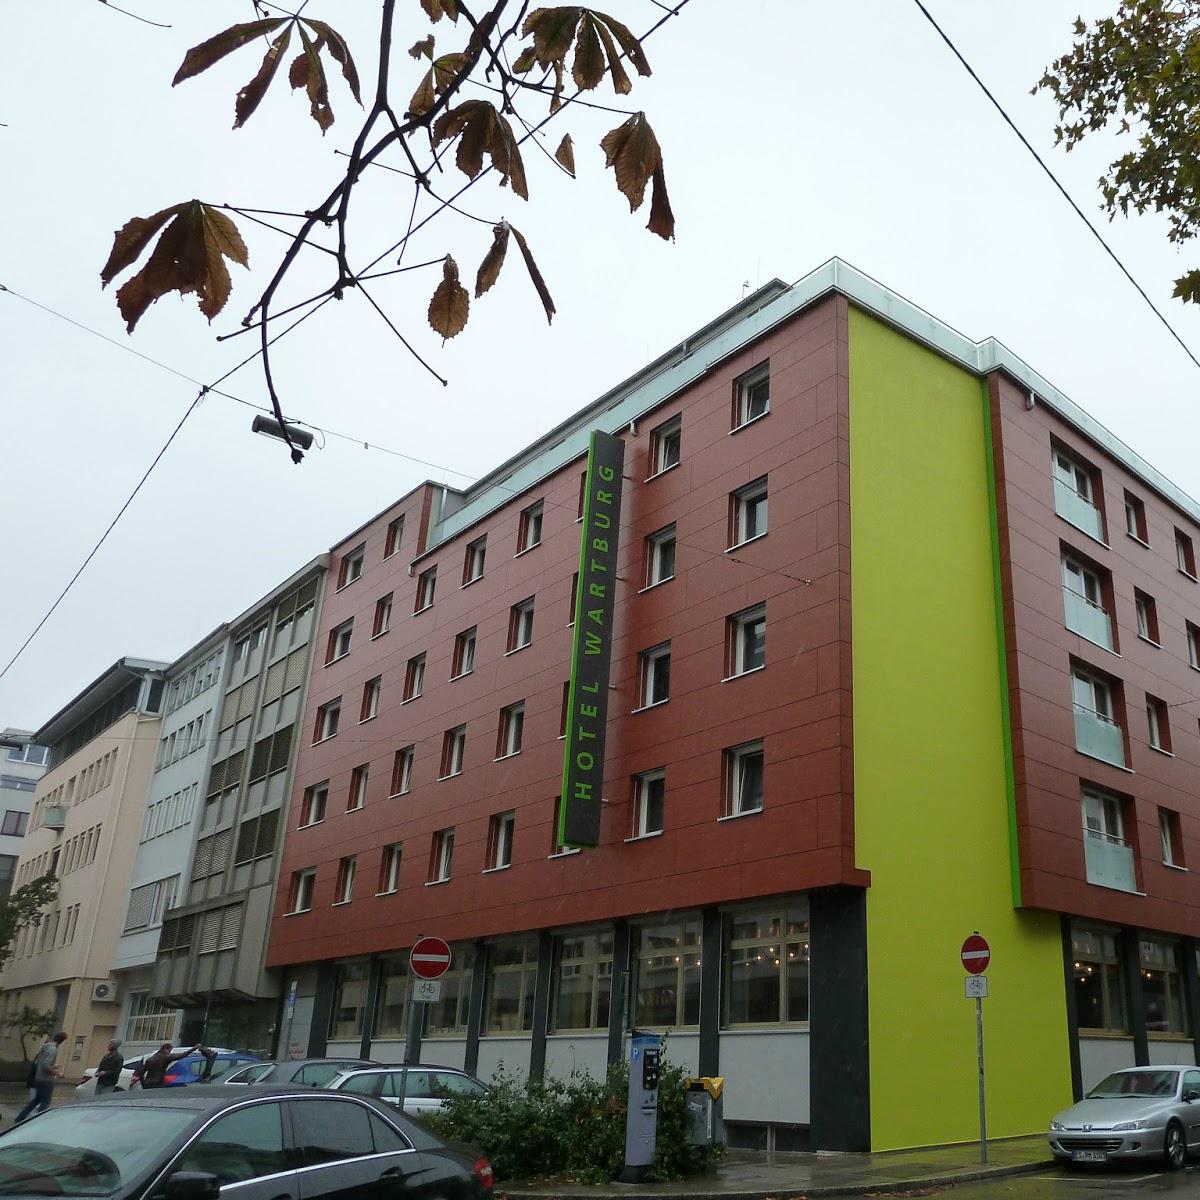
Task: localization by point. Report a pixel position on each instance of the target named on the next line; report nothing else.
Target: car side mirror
(192, 1185)
(1190, 1095)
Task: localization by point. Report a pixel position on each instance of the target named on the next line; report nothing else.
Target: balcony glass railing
(1087, 619)
(1099, 736)
(1109, 861)
(1081, 512)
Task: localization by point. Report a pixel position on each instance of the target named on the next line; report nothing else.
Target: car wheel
(1174, 1146)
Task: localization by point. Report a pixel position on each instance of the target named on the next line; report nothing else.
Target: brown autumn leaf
(249, 98)
(565, 154)
(525, 61)
(633, 152)
(189, 257)
(423, 47)
(596, 37)
(538, 282)
(340, 51)
(553, 32)
(451, 303)
(489, 269)
(298, 72)
(481, 129)
(200, 58)
(588, 67)
(316, 84)
(436, 9)
(441, 74)
(662, 219)
(621, 82)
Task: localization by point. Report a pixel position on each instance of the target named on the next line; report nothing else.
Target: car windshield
(85, 1149)
(1135, 1083)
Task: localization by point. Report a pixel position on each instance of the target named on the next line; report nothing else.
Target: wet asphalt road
(1085, 1185)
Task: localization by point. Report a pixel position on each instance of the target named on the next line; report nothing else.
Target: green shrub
(569, 1129)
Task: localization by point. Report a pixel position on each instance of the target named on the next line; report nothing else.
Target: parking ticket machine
(641, 1121)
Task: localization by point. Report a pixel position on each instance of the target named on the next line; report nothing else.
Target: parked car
(264, 1143)
(187, 1071)
(309, 1072)
(426, 1089)
(1140, 1112)
(87, 1084)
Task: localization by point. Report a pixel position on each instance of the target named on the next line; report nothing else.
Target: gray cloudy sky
(792, 130)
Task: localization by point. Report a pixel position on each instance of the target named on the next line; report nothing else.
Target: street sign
(429, 958)
(976, 954)
(975, 987)
(427, 991)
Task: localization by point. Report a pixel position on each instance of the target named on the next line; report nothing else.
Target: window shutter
(261, 759)
(216, 777)
(230, 707)
(281, 748)
(307, 594)
(245, 701)
(274, 685)
(245, 844)
(141, 900)
(203, 859)
(231, 920)
(268, 827)
(222, 843)
(297, 669)
(233, 768)
(210, 931)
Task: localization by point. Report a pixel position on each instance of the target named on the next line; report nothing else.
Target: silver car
(426, 1088)
(1140, 1112)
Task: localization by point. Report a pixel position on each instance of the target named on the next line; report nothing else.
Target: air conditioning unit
(104, 991)
(54, 816)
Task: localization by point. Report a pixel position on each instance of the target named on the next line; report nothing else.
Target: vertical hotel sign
(591, 654)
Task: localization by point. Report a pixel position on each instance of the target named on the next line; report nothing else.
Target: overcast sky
(791, 130)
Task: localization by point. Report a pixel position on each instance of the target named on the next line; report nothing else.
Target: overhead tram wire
(1054, 180)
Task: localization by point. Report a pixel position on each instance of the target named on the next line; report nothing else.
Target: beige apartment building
(84, 829)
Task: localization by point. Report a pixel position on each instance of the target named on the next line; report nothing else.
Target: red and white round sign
(429, 958)
(976, 954)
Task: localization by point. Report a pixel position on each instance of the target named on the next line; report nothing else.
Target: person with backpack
(43, 1071)
(108, 1073)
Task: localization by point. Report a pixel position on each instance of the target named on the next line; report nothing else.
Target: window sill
(437, 882)
(389, 892)
(1164, 1036)
(651, 586)
(1116, 1035)
(756, 538)
(452, 775)
(297, 912)
(364, 720)
(410, 699)
(1187, 575)
(504, 757)
(340, 903)
(1120, 891)
(328, 738)
(743, 674)
(1160, 750)
(423, 608)
(750, 812)
(1134, 537)
(1194, 666)
(517, 649)
(376, 636)
(461, 675)
(1175, 867)
(562, 737)
(338, 658)
(751, 421)
(647, 707)
(564, 853)
(354, 808)
(1115, 766)
(397, 795)
(644, 837)
(311, 824)
(493, 870)
(343, 586)
(579, 519)
(1149, 641)
(532, 546)
(468, 582)
(660, 474)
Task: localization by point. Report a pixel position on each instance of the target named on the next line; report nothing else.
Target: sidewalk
(743, 1176)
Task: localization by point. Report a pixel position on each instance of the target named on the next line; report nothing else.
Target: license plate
(1097, 1156)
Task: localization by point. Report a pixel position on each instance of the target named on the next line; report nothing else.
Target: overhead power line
(1054, 180)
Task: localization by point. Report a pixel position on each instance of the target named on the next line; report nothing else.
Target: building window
(500, 840)
(510, 730)
(448, 1017)
(312, 808)
(473, 560)
(654, 675)
(743, 779)
(1108, 857)
(665, 445)
(660, 557)
(383, 616)
(1162, 986)
(1135, 519)
(463, 662)
(666, 986)
(339, 642)
(748, 513)
(392, 1007)
(520, 625)
(352, 566)
(391, 542)
(442, 857)
(241, 648)
(302, 890)
(1170, 837)
(1098, 732)
(402, 767)
(426, 586)
(746, 641)
(1185, 556)
(512, 974)
(389, 869)
(1193, 642)
(1085, 602)
(258, 637)
(1099, 982)
(1073, 477)
(752, 395)
(529, 528)
(328, 716)
(344, 889)
(1158, 722)
(454, 744)
(564, 709)
(574, 599)
(149, 1020)
(766, 966)
(559, 848)
(348, 1017)
(257, 837)
(649, 793)
(414, 678)
(358, 788)
(15, 823)
(1147, 616)
(370, 699)
(582, 988)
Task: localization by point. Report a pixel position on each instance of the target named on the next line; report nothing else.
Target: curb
(865, 1188)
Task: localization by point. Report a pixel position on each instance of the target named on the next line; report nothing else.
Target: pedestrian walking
(42, 1074)
(154, 1069)
(108, 1073)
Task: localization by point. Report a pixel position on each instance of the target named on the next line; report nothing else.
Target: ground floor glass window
(1162, 986)
(448, 1017)
(1099, 980)
(349, 1001)
(512, 975)
(767, 965)
(667, 974)
(582, 981)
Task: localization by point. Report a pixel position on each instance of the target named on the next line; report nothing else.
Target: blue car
(191, 1069)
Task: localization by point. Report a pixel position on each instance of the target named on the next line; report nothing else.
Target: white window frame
(328, 713)
(520, 629)
(407, 755)
(309, 804)
(474, 560)
(391, 539)
(389, 869)
(736, 758)
(1092, 694)
(1103, 816)
(1185, 554)
(357, 796)
(666, 446)
(414, 678)
(347, 868)
(1143, 606)
(1155, 723)
(1193, 641)
(747, 391)
(1082, 581)
(1165, 839)
(383, 615)
(442, 860)
(511, 732)
(643, 785)
(303, 883)
(746, 500)
(1074, 474)
(656, 545)
(352, 566)
(652, 663)
(372, 690)
(463, 662)
(740, 624)
(454, 751)
(426, 589)
(500, 840)
(529, 526)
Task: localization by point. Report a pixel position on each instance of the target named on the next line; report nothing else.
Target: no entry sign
(429, 958)
(976, 954)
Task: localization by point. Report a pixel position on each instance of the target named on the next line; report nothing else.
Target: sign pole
(982, 1092)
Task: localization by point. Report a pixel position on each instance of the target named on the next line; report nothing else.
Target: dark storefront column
(839, 1045)
(708, 1059)
(374, 975)
(475, 1007)
(322, 1010)
(1068, 949)
(618, 1004)
(1131, 968)
(541, 1006)
(1191, 991)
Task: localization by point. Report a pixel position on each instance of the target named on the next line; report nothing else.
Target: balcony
(1109, 862)
(1073, 507)
(1099, 736)
(54, 816)
(1087, 619)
